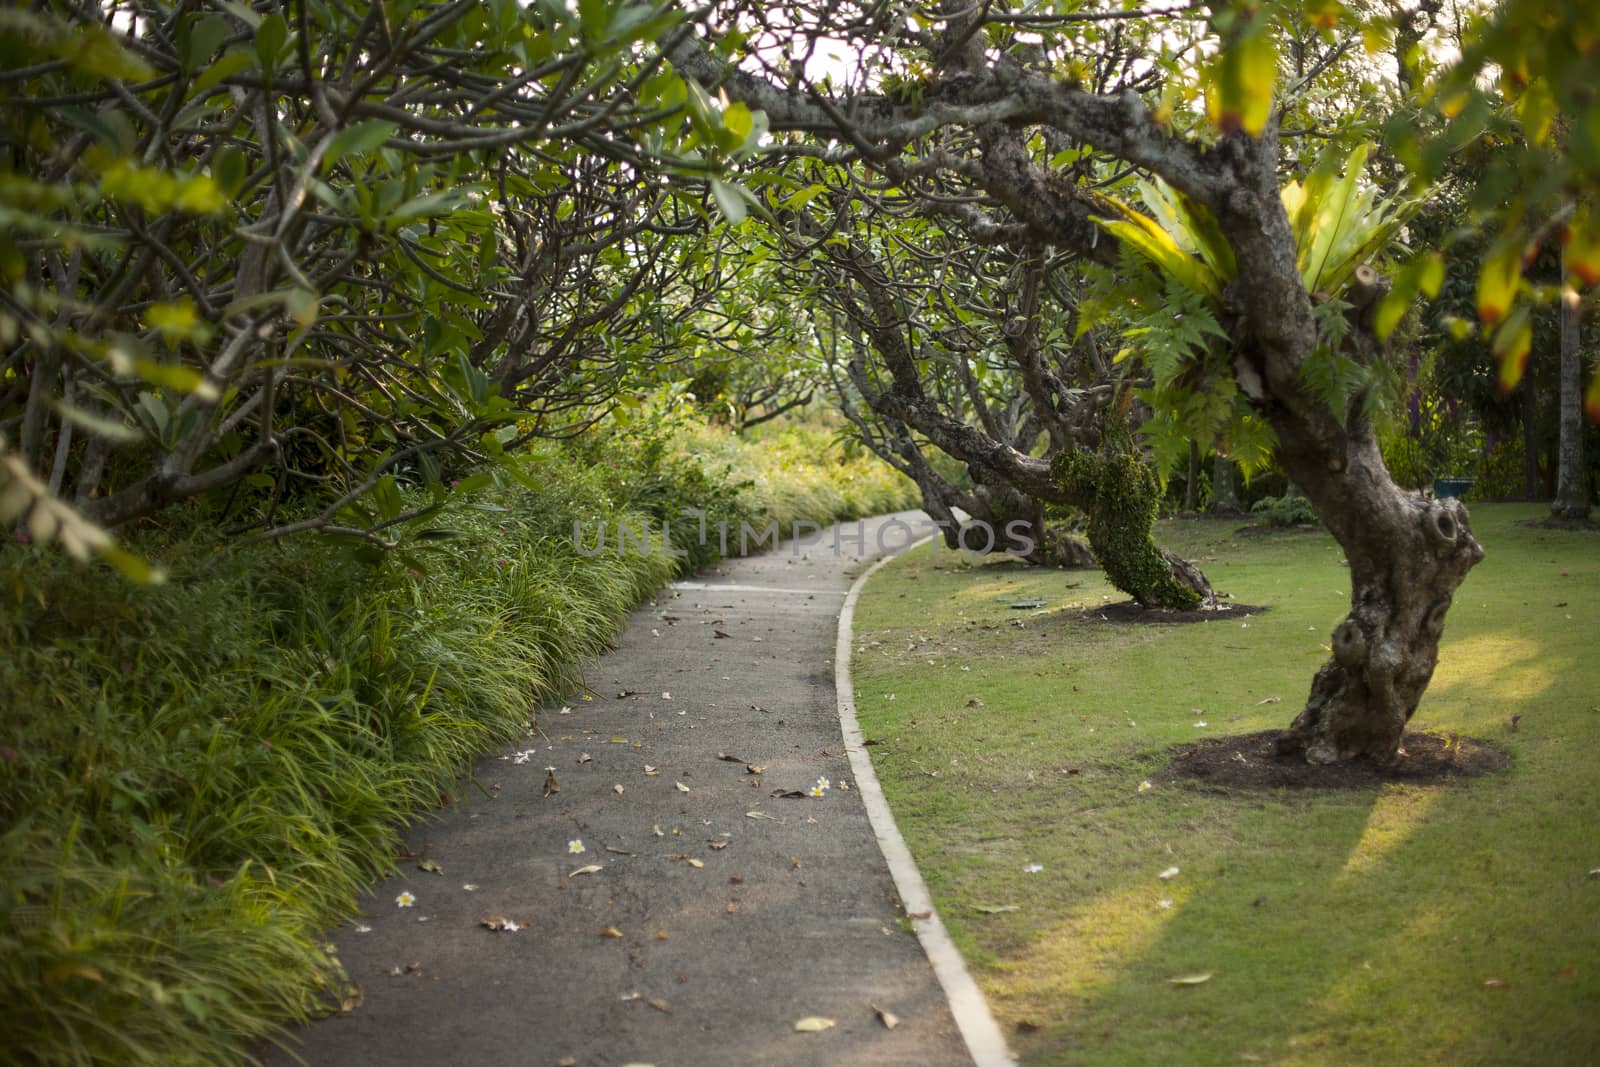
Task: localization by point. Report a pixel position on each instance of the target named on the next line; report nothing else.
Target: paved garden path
(707, 912)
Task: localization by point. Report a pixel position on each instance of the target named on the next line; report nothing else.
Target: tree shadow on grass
(1378, 919)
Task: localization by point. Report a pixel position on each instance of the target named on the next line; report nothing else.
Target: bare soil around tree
(1253, 761)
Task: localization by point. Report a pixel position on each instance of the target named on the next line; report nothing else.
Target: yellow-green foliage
(798, 471)
(196, 778)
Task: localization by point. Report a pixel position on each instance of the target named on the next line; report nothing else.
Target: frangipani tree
(1006, 100)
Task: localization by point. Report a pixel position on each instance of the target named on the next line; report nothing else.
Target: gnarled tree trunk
(1407, 556)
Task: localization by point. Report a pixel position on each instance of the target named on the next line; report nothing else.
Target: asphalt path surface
(715, 902)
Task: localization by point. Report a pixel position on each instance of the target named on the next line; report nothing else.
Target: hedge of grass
(198, 777)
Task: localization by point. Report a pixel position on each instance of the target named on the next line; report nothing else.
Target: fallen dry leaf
(352, 1000)
(717, 846)
(501, 923)
(995, 909)
(919, 914)
(430, 866)
(611, 931)
(888, 1018)
(620, 851)
(616, 740)
(812, 1024)
(660, 1005)
(593, 868)
(550, 783)
(696, 864)
(1269, 700)
(755, 768)
(617, 789)
(649, 771)
(731, 759)
(584, 757)
(718, 633)
(1496, 983)
(787, 794)
(1191, 979)
(761, 815)
(681, 787)
(1168, 875)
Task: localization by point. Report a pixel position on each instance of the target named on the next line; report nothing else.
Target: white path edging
(985, 1043)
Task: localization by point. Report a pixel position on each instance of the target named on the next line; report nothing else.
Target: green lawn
(1411, 924)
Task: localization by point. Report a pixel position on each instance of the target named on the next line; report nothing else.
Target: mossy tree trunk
(1121, 494)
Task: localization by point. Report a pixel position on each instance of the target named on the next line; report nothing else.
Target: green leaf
(1498, 281)
(112, 430)
(1513, 341)
(1145, 236)
(229, 171)
(205, 35)
(476, 483)
(737, 120)
(359, 139)
(730, 200)
(595, 18)
(226, 65)
(1392, 308)
(1537, 109)
(135, 569)
(386, 497)
(438, 203)
(242, 11)
(302, 306)
(271, 36)
(1240, 81)
(1430, 276)
(176, 320)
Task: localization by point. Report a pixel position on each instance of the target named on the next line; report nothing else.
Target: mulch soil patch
(1252, 761)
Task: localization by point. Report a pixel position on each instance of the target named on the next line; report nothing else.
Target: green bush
(1288, 510)
(199, 777)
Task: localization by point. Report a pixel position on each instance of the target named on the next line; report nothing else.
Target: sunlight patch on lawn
(1396, 814)
(1496, 667)
(1086, 951)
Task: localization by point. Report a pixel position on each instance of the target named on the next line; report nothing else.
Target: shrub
(197, 778)
(1288, 510)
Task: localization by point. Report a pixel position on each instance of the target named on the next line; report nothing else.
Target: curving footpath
(726, 905)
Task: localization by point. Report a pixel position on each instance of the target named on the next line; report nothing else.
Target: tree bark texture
(1224, 487)
(1407, 556)
(1572, 486)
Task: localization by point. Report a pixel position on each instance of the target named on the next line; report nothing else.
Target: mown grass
(1354, 927)
(197, 778)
